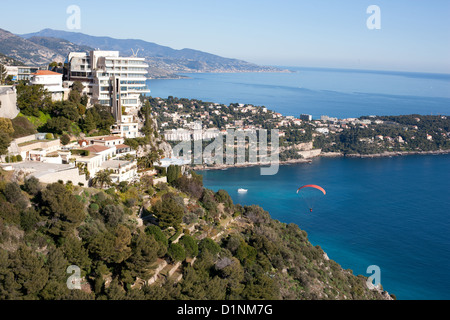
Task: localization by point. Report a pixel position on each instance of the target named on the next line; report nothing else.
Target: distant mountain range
(49, 45)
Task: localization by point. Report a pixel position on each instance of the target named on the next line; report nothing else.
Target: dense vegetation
(397, 133)
(225, 251)
(61, 117)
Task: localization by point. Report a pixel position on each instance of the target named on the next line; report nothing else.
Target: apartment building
(19, 73)
(109, 79)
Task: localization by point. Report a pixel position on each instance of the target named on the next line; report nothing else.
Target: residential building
(20, 73)
(122, 170)
(105, 152)
(36, 148)
(323, 130)
(101, 157)
(128, 127)
(109, 141)
(52, 82)
(8, 102)
(113, 81)
(306, 117)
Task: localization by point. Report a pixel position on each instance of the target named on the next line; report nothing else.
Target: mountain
(163, 60)
(59, 46)
(8, 61)
(26, 51)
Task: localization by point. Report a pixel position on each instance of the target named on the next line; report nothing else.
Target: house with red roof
(52, 81)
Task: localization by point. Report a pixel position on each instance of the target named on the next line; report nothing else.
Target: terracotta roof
(96, 148)
(122, 146)
(47, 73)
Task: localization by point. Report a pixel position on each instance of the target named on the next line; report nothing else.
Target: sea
(391, 212)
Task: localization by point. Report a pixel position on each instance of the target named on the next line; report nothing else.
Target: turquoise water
(337, 93)
(390, 212)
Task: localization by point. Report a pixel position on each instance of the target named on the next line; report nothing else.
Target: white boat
(240, 190)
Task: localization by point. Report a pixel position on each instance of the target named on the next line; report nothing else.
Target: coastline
(324, 155)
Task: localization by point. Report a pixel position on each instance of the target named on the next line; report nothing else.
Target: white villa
(52, 81)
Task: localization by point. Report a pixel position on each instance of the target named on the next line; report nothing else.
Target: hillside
(26, 51)
(163, 60)
(60, 46)
(8, 61)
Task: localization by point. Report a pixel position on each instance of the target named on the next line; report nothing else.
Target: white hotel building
(111, 80)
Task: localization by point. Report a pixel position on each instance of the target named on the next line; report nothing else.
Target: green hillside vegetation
(418, 133)
(61, 117)
(206, 247)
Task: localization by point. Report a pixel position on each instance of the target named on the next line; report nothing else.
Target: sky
(414, 35)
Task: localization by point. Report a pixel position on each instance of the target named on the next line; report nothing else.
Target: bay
(389, 212)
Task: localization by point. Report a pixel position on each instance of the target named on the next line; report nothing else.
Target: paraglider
(311, 196)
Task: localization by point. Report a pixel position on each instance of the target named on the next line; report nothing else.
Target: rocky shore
(324, 155)
(398, 153)
(247, 164)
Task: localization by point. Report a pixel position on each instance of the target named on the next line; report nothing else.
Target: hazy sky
(414, 34)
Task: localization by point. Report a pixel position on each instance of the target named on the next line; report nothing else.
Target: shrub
(32, 186)
(65, 139)
(209, 245)
(157, 234)
(176, 252)
(190, 245)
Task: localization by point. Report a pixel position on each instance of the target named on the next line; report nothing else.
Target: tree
(6, 126)
(6, 134)
(65, 139)
(89, 123)
(5, 141)
(58, 125)
(29, 271)
(190, 245)
(192, 185)
(13, 195)
(64, 210)
(98, 118)
(223, 197)
(144, 253)
(76, 253)
(176, 252)
(157, 234)
(173, 173)
(208, 245)
(102, 178)
(3, 73)
(113, 215)
(32, 185)
(168, 211)
(31, 99)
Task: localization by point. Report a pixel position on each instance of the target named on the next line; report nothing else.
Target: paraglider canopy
(311, 194)
(313, 186)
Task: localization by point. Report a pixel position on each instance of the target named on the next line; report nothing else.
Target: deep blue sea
(332, 92)
(390, 212)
